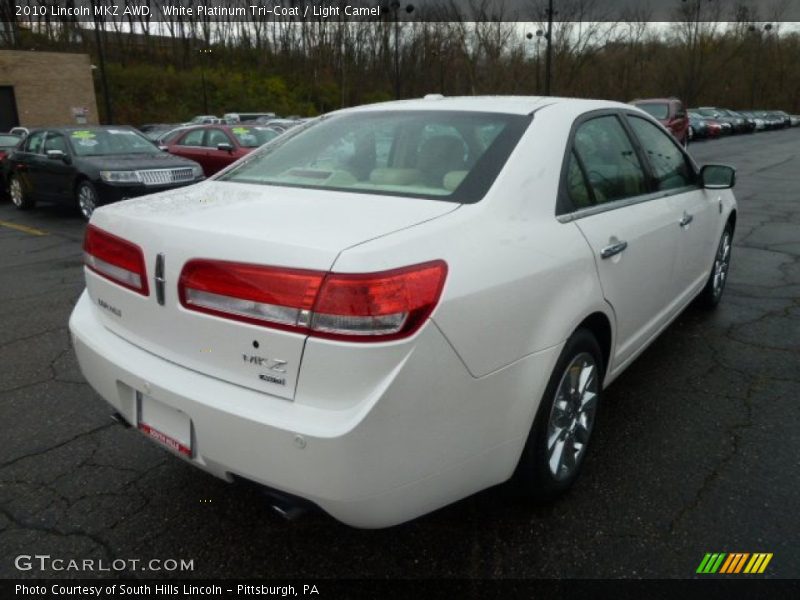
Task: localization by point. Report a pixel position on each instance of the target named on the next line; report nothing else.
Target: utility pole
(548, 68)
(395, 6)
(103, 80)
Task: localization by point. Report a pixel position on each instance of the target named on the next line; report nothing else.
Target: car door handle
(613, 249)
(685, 220)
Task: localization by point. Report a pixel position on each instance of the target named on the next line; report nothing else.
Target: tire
(548, 469)
(16, 192)
(711, 294)
(86, 199)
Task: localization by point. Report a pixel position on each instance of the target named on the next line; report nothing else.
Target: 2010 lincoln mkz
(397, 305)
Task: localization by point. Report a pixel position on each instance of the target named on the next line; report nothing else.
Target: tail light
(3, 155)
(356, 307)
(115, 259)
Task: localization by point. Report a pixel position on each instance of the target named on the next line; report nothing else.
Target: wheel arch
(600, 326)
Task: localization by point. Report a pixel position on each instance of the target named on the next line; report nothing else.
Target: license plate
(164, 424)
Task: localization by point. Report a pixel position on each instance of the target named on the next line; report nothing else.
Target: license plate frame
(167, 426)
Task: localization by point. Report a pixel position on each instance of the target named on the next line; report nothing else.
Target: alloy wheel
(15, 190)
(572, 416)
(721, 263)
(87, 201)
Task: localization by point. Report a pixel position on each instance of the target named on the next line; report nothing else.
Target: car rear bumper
(427, 434)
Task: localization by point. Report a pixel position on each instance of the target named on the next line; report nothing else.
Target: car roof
(520, 105)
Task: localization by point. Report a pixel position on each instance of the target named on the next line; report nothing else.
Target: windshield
(423, 154)
(8, 141)
(253, 137)
(658, 110)
(109, 142)
(707, 112)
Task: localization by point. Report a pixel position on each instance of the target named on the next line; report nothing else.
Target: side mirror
(225, 146)
(718, 177)
(56, 155)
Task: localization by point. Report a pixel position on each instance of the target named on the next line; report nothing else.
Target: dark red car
(217, 146)
(671, 113)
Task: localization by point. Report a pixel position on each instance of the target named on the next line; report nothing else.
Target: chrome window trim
(622, 203)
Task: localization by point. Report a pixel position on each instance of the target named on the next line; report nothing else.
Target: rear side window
(669, 165)
(215, 137)
(577, 188)
(657, 110)
(193, 138)
(55, 141)
(34, 142)
(609, 159)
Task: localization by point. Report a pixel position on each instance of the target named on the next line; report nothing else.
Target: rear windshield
(253, 137)
(444, 155)
(658, 110)
(8, 141)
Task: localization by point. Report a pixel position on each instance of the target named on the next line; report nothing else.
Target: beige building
(46, 89)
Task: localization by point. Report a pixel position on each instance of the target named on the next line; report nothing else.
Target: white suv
(398, 305)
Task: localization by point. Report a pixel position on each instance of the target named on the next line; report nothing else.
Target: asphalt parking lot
(697, 448)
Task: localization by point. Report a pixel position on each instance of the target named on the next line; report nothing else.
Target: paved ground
(697, 449)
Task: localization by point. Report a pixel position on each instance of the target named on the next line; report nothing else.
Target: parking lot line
(23, 228)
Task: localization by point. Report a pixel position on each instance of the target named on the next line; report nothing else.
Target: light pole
(204, 52)
(548, 69)
(539, 35)
(103, 80)
(757, 31)
(395, 6)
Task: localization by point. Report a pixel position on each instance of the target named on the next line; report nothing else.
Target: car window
(669, 165)
(420, 154)
(34, 142)
(253, 137)
(214, 137)
(55, 141)
(193, 138)
(8, 141)
(659, 110)
(577, 188)
(611, 164)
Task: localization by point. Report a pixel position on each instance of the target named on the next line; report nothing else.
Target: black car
(8, 141)
(92, 166)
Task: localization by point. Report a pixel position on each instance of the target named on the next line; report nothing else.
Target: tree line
(712, 53)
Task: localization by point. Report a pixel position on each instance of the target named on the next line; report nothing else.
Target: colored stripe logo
(734, 563)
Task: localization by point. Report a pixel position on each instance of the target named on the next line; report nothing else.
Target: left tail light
(115, 259)
(355, 307)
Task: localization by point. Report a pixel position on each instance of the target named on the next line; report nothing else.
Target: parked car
(698, 128)
(153, 131)
(204, 120)
(373, 316)
(783, 116)
(280, 124)
(234, 118)
(758, 123)
(772, 121)
(727, 124)
(670, 112)
(795, 119)
(742, 123)
(92, 166)
(713, 128)
(8, 141)
(216, 146)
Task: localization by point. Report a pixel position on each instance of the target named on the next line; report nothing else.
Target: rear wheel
(17, 193)
(86, 199)
(559, 438)
(712, 292)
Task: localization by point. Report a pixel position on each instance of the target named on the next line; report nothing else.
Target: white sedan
(398, 305)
